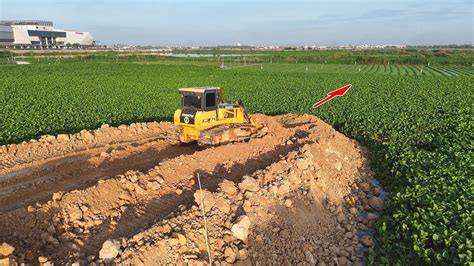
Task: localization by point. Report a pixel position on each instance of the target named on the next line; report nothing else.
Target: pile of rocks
(276, 215)
(312, 201)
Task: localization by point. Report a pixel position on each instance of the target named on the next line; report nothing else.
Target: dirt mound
(301, 193)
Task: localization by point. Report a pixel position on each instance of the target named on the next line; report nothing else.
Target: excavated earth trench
(302, 193)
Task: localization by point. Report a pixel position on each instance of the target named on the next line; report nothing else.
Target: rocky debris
(48, 138)
(181, 239)
(282, 204)
(110, 250)
(376, 191)
(376, 203)
(206, 198)
(342, 261)
(230, 255)
(57, 196)
(6, 249)
(367, 241)
(228, 187)
(285, 233)
(240, 229)
(154, 185)
(75, 213)
(87, 136)
(372, 216)
(341, 218)
(302, 164)
(223, 205)
(309, 257)
(364, 186)
(249, 184)
(63, 137)
(246, 219)
(288, 203)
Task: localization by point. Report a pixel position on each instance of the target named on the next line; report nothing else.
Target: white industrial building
(28, 34)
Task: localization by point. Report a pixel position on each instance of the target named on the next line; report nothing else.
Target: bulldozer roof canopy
(199, 89)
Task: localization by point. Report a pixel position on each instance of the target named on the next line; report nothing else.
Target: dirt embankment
(301, 193)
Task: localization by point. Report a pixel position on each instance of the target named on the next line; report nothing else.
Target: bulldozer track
(140, 216)
(34, 181)
(21, 154)
(228, 133)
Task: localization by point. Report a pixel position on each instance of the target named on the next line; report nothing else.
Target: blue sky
(259, 22)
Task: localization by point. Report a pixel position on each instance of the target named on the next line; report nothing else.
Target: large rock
(49, 138)
(377, 191)
(309, 257)
(364, 187)
(294, 178)
(75, 213)
(63, 137)
(182, 239)
(230, 255)
(57, 196)
(302, 164)
(110, 250)
(284, 189)
(153, 185)
(249, 184)
(87, 136)
(241, 228)
(42, 259)
(6, 249)
(228, 187)
(342, 261)
(222, 205)
(243, 254)
(376, 203)
(52, 240)
(372, 216)
(367, 241)
(341, 218)
(285, 233)
(204, 197)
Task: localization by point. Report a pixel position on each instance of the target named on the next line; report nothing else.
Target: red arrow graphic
(332, 94)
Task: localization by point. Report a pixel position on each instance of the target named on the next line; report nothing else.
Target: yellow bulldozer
(205, 118)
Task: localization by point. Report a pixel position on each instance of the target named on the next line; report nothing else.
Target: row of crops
(419, 130)
(393, 69)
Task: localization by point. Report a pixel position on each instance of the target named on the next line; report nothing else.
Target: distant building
(30, 34)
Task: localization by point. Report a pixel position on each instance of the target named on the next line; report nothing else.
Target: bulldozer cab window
(192, 101)
(210, 100)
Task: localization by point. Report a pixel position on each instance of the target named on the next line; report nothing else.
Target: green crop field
(410, 70)
(417, 123)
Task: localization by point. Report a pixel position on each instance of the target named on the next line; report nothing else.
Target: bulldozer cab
(202, 99)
